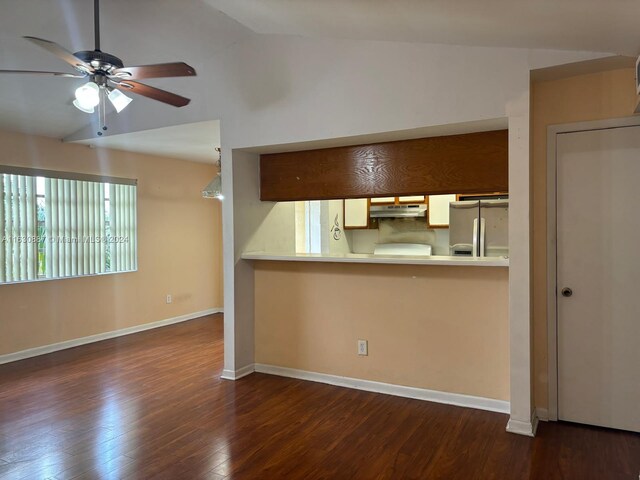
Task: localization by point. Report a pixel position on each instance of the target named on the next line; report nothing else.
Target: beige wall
(179, 250)
(594, 96)
(440, 328)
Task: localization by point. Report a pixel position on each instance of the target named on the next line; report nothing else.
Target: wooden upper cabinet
(469, 163)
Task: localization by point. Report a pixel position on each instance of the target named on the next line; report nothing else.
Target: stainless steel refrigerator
(479, 228)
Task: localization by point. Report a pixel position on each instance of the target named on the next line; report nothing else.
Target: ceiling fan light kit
(108, 76)
(118, 99)
(82, 108)
(87, 97)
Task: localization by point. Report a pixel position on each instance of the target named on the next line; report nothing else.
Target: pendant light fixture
(214, 187)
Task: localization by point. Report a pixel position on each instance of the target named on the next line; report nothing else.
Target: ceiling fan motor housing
(100, 61)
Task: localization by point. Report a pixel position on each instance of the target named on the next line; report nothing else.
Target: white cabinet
(383, 200)
(438, 211)
(395, 200)
(356, 213)
(356, 210)
(411, 199)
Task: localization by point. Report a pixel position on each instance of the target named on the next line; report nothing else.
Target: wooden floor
(151, 405)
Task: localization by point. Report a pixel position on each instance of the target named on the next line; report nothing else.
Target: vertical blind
(75, 227)
(63, 227)
(17, 215)
(123, 226)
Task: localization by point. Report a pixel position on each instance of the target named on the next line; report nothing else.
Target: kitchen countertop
(386, 259)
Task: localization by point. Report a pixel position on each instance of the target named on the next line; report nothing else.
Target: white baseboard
(237, 374)
(457, 399)
(522, 427)
(34, 352)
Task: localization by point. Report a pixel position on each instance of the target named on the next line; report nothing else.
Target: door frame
(553, 131)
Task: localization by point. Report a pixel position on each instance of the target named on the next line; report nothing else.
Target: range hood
(398, 211)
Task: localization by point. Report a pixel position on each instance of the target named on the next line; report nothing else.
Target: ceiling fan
(108, 76)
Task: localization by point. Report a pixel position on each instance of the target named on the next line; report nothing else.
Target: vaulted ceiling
(591, 25)
(194, 31)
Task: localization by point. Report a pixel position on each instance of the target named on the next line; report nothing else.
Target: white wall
(340, 243)
(364, 241)
(289, 89)
(237, 235)
(276, 231)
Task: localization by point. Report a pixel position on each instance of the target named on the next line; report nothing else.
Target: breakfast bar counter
(382, 259)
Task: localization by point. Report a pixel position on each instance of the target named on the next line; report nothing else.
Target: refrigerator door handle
(482, 237)
(475, 237)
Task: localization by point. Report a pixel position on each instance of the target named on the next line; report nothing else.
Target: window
(58, 225)
(309, 221)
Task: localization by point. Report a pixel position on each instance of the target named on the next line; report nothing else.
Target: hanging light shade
(214, 187)
(87, 97)
(79, 106)
(118, 99)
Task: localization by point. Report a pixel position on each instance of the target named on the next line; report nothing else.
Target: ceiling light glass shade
(119, 100)
(213, 189)
(81, 108)
(87, 96)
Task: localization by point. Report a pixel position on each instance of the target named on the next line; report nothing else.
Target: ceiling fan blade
(62, 54)
(160, 70)
(36, 72)
(151, 92)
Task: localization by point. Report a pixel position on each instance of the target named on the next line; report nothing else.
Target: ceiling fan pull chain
(102, 113)
(102, 109)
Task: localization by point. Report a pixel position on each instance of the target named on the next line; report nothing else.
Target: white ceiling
(192, 141)
(592, 25)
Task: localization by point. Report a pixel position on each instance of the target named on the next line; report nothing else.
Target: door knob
(566, 292)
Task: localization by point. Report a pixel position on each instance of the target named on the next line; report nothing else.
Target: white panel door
(598, 202)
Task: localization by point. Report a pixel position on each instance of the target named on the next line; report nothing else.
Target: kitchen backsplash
(406, 230)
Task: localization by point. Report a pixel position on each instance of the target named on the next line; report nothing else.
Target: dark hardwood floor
(152, 405)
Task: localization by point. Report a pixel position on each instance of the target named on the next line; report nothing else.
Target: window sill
(20, 282)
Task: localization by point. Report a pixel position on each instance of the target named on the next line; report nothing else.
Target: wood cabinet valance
(472, 162)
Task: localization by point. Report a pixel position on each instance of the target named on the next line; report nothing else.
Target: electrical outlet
(363, 347)
(169, 298)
